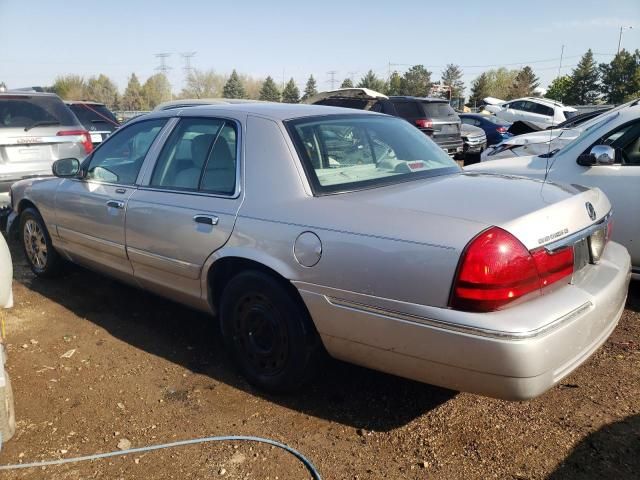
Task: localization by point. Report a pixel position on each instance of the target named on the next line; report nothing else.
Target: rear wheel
(37, 246)
(268, 332)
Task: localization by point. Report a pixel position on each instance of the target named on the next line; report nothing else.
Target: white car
(7, 413)
(542, 112)
(606, 155)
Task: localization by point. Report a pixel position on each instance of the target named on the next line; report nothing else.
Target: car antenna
(547, 166)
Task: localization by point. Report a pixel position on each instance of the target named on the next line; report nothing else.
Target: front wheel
(37, 246)
(268, 332)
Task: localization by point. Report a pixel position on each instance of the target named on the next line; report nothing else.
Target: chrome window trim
(145, 182)
(577, 236)
(477, 331)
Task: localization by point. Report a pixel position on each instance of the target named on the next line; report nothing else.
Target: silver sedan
(307, 229)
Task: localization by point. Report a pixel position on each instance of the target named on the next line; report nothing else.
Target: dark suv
(434, 116)
(95, 117)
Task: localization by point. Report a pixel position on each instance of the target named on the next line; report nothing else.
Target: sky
(40, 40)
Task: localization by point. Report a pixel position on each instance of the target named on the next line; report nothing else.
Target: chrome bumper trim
(577, 236)
(483, 332)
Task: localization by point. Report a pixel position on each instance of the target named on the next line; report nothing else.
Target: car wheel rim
(260, 334)
(35, 244)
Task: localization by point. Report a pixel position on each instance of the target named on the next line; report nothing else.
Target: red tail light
(496, 269)
(424, 123)
(86, 138)
(501, 129)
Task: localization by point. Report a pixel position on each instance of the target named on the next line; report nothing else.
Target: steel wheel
(35, 244)
(260, 334)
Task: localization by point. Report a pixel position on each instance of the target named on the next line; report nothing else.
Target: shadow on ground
(613, 452)
(633, 300)
(342, 393)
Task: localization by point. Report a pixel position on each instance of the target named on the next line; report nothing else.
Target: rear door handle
(115, 204)
(206, 219)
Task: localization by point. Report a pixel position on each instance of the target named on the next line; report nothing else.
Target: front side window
(626, 141)
(347, 152)
(120, 158)
(200, 155)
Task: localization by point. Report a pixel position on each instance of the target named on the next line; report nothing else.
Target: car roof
(420, 99)
(26, 93)
(272, 110)
(80, 102)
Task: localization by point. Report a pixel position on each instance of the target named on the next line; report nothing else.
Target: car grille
(479, 140)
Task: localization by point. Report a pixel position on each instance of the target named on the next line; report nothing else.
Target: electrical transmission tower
(163, 67)
(187, 56)
(332, 80)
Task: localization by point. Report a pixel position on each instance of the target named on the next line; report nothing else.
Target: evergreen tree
(524, 84)
(290, 94)
(133, 98)
(417, 81)
(559, 89)
(395, 85)
(156, 90)
(452, 77)
(621, 77)
(479, 90)
(584, 80)
(310, 88)
(233, 88)
(269, 91)
(372, 82)
(3, 86)
(347, 83)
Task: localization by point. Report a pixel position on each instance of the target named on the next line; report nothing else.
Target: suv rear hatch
(444, 120)
(96, 118)
(35, 130)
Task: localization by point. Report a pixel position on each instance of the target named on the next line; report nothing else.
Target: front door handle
(206, 219)
(115, 204)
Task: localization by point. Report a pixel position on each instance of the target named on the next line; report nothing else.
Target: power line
(332, 80)
(187, 56)
(163, 67)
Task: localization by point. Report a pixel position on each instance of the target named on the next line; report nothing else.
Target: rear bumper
(460, 353)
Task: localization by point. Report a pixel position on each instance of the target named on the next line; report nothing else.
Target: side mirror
(66, 167)
(599, 155)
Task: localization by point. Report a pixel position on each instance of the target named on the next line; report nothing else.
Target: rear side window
(438, 110)
(408, 109)
(200, 155)
(23, 111)
(541, 109)
(97, 116)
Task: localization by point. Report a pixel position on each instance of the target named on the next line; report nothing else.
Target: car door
(90, 211)
(186, 208)
(621, 183)
(509, 112)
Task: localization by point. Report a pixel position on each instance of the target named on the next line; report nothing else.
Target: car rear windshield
(97, 116)
(30, 111)
(438, 110)
(350, 152)
(569, 114)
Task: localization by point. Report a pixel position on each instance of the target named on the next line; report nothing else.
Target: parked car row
(38, 128)
(311, 228)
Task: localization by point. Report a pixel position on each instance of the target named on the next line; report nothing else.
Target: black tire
(268, 332)
(36, 245)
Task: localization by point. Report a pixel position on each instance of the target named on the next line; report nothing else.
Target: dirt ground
(147, 370)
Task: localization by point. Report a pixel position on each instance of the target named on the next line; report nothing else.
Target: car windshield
(602, 121)
(347, 152)
(24, 111)
(92, 115)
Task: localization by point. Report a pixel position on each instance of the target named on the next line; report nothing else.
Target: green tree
(269, 91)
(524, 84)
(291, 93)
(452, 77)
(417, 81)
(395, 86)
(498, 82)
(233, 88)
(620, 79)
(479, 90)
(102, 89)
(70, 87)
(310, 88)
(372, 82)
(584, 79)
(156, 90)
(203, 84)
(347, 83)
(559, 89)
(132, 99)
